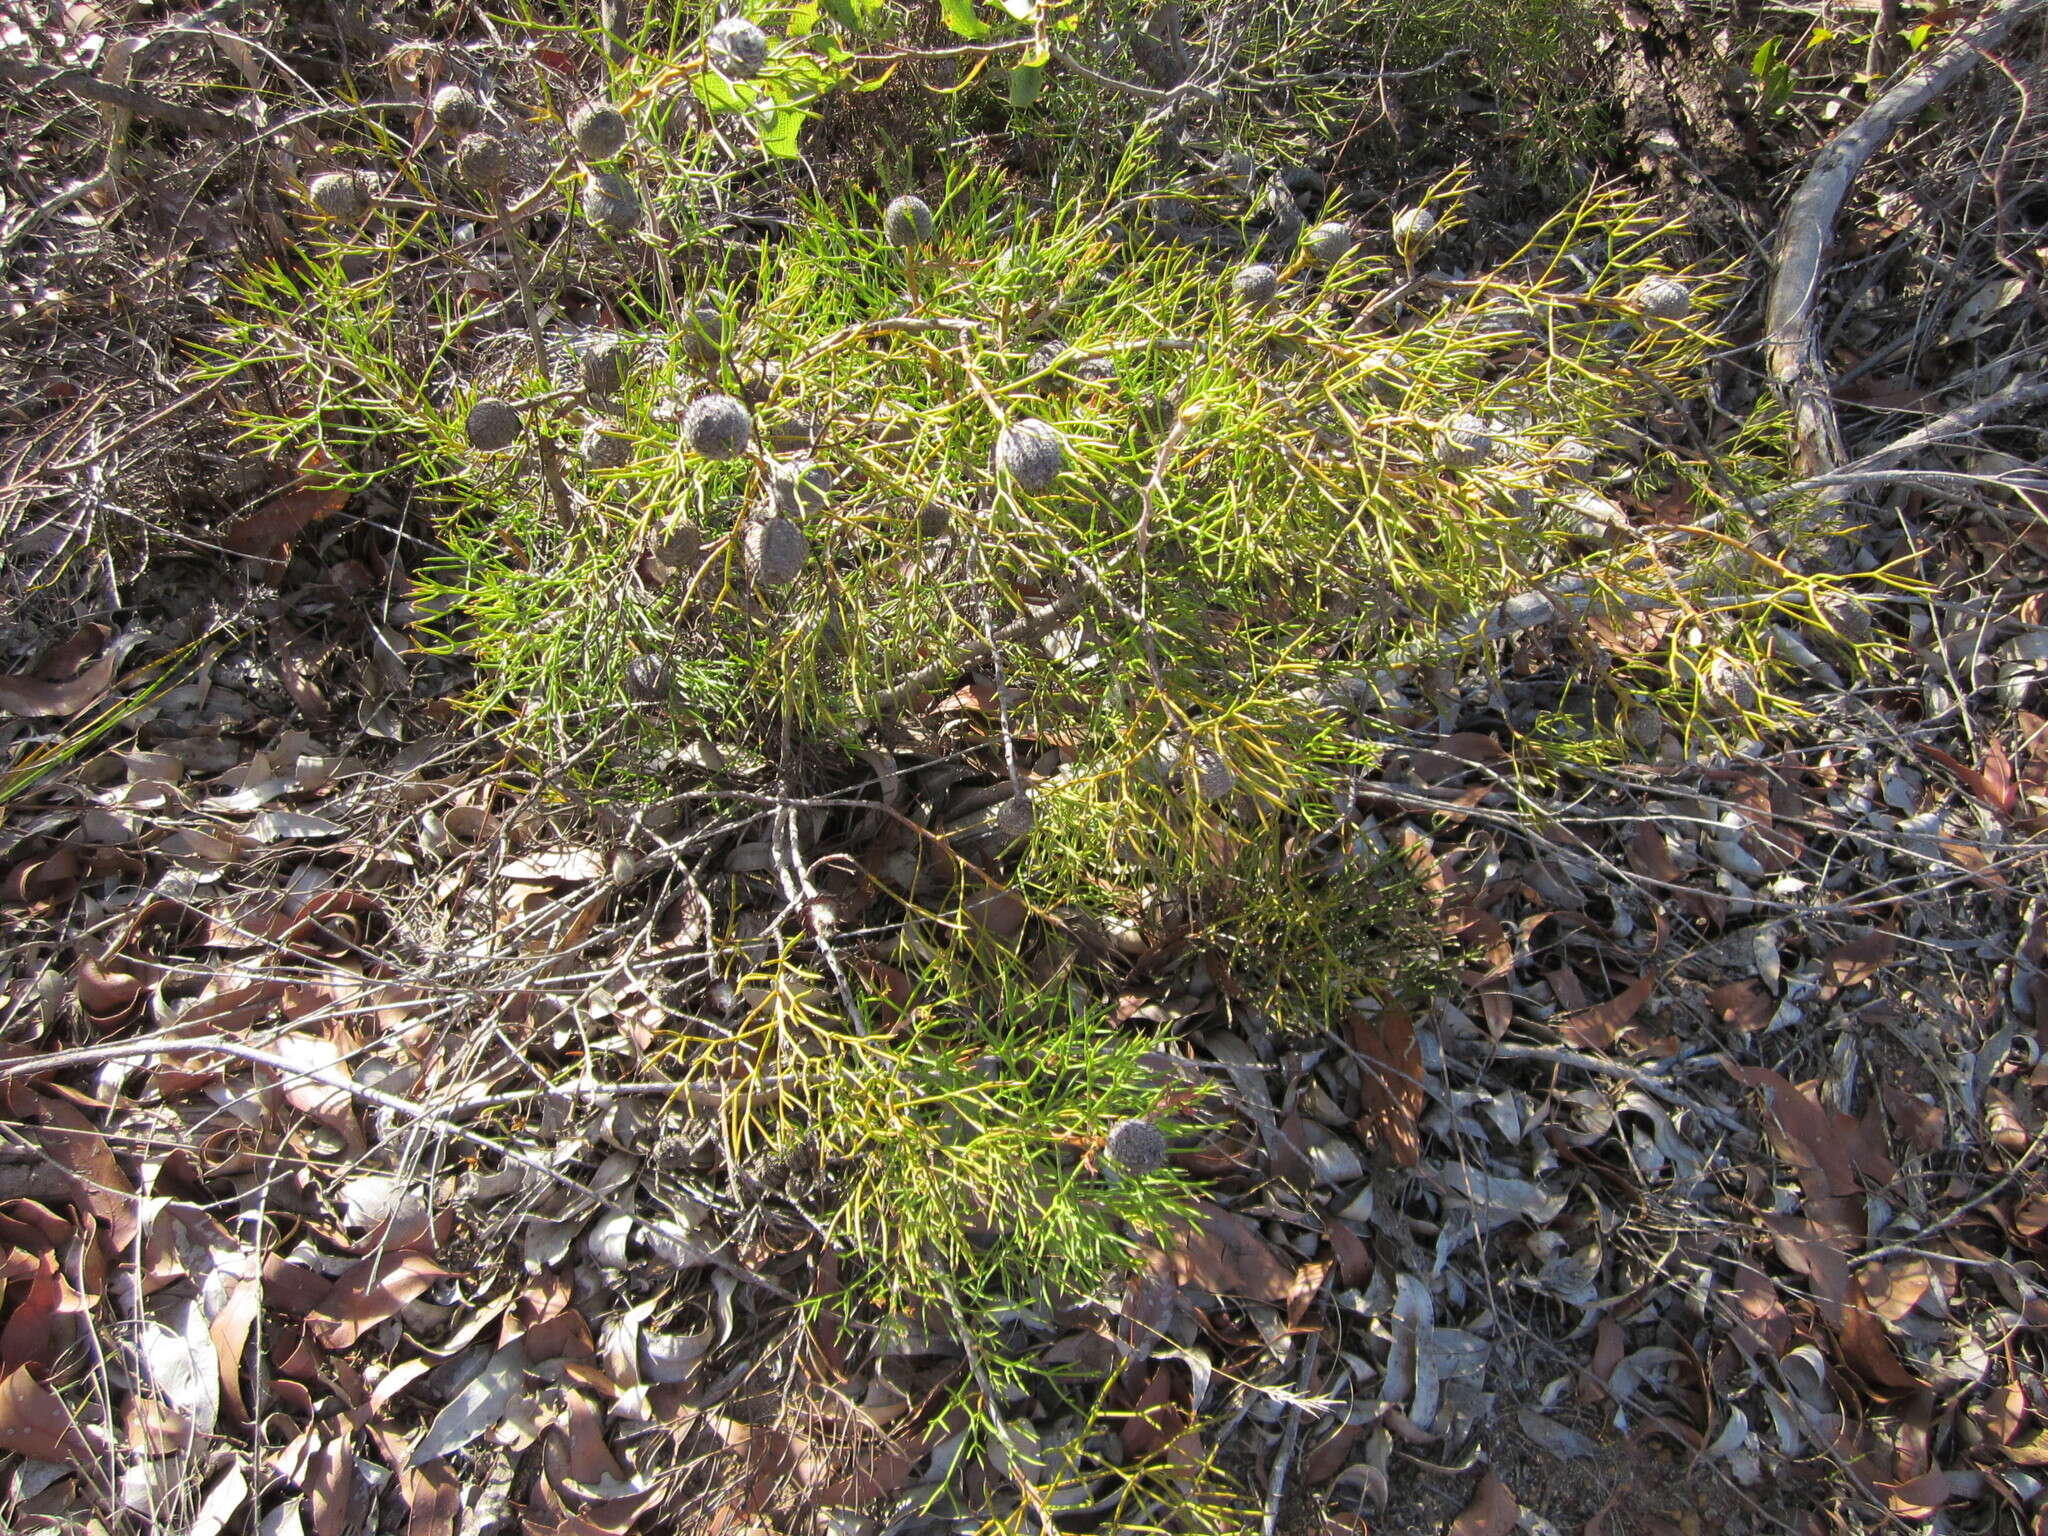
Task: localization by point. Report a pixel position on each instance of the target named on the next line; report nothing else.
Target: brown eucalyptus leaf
(1391, 1092)
(34, 1422)
(22, 694)
(1223, 1253)
(368, 1292)
(1598, 1027)
(283, 518)
(1743, 1005)
(1859, 959)
(80, 1148)
(1492, 1512)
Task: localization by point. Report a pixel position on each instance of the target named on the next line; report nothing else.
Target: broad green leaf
(959, 15)
(806, 75)
(854, 15)
(802, 21)
(780, 136)
(1026, 80)
(721, 94)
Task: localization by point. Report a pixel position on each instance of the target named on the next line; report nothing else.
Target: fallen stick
(1792, 340)
(87, 86)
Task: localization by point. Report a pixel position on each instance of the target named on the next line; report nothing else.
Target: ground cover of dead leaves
(1712, 1200)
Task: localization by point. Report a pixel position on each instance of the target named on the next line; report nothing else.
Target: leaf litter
(1723, 1161)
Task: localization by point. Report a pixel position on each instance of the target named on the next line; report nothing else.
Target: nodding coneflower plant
(703, 510)
(1267, 490)
(1147, 498)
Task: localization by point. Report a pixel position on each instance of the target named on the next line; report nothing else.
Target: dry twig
(1792, 339)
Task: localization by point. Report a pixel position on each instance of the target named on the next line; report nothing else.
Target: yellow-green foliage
(1302, 525)
(1257, 515)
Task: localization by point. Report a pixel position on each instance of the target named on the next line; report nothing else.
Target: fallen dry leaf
(1392, 1090)
(283, 518)
(1224, 1254)
(1154, 1421)
(366, 1293)
(1492, 1512)
(1598, 1027)
(44, 1320)
(230, 1331)
(77, 1146)
(1757, 1318)
(1743, 1005)
(477, 1408)
(433, 1500)
(1859, 959)
(1924, 1125)
(1919, 1498)
(1649, 855)
(317, 1088)
(1815, 1251)
(1814, 1143)
(24, 694)
(1993, 786)
(1893, 1289)
(2004, 1124)
(1455, 755)
(35, 1423)
(328, 1480)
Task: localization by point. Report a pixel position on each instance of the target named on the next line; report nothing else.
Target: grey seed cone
(605, 449)
(482, 162)
(1015, 818)
(1847, 614)
(491, 425)
(717, 427)
(1731, 684)
(1032, 453)
(907, 221)
(1642, 727)
(1214, 779)
(1574, 457)
(599, 130)
(648, 679)
(1388, 373)
(802, 487)
(1330, 242)
(737, 48)
(456, 109)
(341, 194)
(1136, 1146)
(1464, 441)
(1662, 298)
(678, 549)
(607, 361)
(1256, 285)
(702, 336)
(1508, 320)
(1414, 231)
(775, 549)
(1591, 515)
(610, 203)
